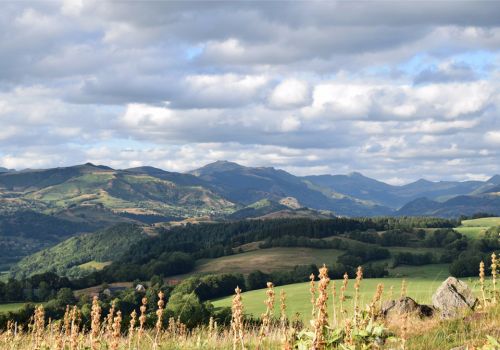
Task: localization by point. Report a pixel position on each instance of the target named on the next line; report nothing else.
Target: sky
(396, 90)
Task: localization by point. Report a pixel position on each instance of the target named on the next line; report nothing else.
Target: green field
(475, 228)
(281, 258)
(94, 265)
(267, 260)
(10, 307)
(298, 295)
(485, 222)
(431, 272)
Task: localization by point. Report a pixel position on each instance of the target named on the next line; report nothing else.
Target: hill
(358, 186)
(66, 258)
(90, 197)
(25, 232)
(454, 207)
(247, 185)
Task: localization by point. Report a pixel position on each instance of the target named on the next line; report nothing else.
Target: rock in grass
(453, 298)
(406, 305)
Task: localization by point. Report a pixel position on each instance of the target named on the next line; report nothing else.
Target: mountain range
(223, 187)
(39, 208)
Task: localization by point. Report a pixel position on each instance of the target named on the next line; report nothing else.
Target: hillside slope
(247, 185)
(64, 258)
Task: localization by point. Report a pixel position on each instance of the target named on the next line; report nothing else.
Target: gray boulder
(453, 298)
(406, 305)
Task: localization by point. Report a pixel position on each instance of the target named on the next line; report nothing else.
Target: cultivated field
(267, 260)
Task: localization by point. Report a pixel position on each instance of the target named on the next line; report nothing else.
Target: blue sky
(397, 90)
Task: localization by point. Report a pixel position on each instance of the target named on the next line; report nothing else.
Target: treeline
(36, 288)
(466, 263)
(175, 250)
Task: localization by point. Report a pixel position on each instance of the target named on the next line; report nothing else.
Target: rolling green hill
(78, 255)
(88, 197)
(454, 207)
(475, 228)
(298, 295)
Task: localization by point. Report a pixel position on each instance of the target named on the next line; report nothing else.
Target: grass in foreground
(331, 325)
(420, 289)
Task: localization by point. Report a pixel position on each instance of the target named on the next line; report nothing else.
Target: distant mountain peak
(355, 174)
(422, 181)
(217, 167)
(494, 180)
(92, 166)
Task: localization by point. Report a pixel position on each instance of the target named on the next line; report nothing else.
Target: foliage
(64, 258)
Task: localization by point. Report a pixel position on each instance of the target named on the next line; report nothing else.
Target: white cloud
(290, 93)
(310, 87)
(493, 137)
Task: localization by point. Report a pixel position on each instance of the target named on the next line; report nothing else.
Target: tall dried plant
(283, 317)
(266, 317)
(481, 282)
(320, 322)
(312, 291)
(404, 288)
(142, 318)
(131, 329)
(116, 328)
(237, 320)
(357, 284)
(494, 266)
(345, 282)
(95, 326)
(159, 317)
(38, 326)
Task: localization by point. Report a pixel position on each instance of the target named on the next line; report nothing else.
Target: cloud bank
(395, 90)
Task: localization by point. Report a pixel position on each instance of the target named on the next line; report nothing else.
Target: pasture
(10, 307)
(267, 260)
(298, 295)
(475, 228)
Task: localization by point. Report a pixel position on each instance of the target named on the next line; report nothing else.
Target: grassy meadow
(419, 288)
(267, 260)
(10, 307)
(475, 228)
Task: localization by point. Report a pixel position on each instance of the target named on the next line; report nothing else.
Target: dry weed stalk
(131, 329)
(110, 319)
(142, 318)
(75, 327)
(266, 317)
(159, 317)
(494, 265)
(38, 326)
(116, 327)
(95, 326)
(342, 292)
(481, 282)
(357, 283)
(312, 290)
(283, 318)
(377, 299)
(321, 320)
(67, 323)
(404, 288)
(237, 320)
